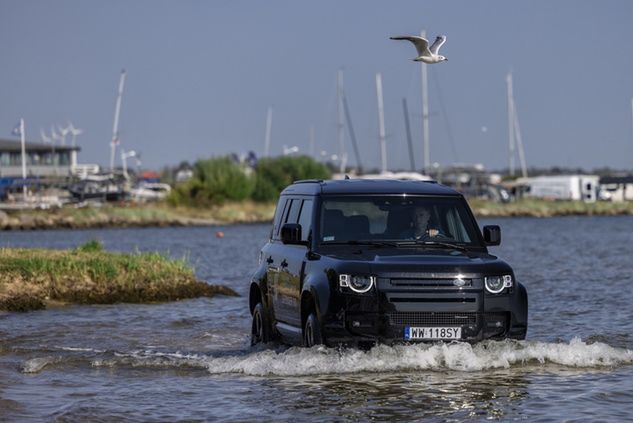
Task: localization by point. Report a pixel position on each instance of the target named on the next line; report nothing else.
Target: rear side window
(279, 212)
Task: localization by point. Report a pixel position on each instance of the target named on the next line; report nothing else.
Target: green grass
(546, 208)
(29, 278)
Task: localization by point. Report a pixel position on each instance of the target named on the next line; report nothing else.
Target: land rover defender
(381, 261)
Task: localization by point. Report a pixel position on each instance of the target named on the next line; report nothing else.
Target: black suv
(365, 261)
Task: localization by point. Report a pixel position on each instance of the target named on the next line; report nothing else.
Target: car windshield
(401, 219)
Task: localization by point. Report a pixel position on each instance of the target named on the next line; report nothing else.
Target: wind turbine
(74, 132)
(63, 132)
(55, 137)
(45, 138)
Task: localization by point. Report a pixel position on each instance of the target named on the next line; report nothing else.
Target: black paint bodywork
(414, 286)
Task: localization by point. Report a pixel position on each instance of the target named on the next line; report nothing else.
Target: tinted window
(281, 206)
(305, 219)
(293, 211)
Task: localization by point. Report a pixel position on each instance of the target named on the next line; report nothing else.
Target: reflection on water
(190, 360)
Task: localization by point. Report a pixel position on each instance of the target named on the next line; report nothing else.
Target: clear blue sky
(201, 75)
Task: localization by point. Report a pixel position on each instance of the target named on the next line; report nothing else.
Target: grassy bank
(137, 216)
(31, 279)
(545, 208)
(156, 215)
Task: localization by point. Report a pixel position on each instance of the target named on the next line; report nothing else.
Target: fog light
(355, 324)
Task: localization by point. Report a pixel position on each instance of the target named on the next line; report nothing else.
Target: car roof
(367, 186)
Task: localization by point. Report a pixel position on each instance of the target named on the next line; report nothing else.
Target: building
(42, 160)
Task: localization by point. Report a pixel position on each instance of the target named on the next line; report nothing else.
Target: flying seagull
(426, 54)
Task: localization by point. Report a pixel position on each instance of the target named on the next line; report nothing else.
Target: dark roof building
(41, 159)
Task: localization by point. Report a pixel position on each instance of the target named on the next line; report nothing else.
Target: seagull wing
(421, 44)
(439, 41)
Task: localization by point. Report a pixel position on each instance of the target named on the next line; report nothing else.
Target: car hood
(421, 260)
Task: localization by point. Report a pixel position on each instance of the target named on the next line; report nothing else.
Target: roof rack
(308, 181)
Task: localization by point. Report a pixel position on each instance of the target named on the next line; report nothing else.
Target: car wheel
(312, 334)
(260, 328)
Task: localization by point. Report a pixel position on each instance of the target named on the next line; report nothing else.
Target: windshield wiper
(432, 244)
(363, 242)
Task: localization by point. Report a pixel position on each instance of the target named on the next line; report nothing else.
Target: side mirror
(492, 235)
(291, 233)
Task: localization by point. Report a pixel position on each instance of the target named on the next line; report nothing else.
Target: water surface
(190, 360)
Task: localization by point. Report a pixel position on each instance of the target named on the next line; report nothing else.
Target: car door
(272, 255)
(281, 295)
(293, 263)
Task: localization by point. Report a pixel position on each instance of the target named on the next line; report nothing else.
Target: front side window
(396, 218)
(279, 212)
(305, 219)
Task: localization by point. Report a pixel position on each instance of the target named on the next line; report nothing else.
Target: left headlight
(359, 284)
(496, 284)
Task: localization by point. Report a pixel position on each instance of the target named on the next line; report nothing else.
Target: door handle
(269, 260)
(284, 263)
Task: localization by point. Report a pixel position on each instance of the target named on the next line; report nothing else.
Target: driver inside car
(420, 225)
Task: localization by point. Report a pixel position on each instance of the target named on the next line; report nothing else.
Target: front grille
(409, 318)
(432, 283)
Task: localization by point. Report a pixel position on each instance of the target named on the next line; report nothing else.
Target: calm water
(191, 361)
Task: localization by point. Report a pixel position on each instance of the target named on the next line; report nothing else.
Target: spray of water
(454, 356)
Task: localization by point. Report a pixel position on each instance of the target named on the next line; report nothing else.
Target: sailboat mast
(115, 126)
(341, 124)
(519, 141)
(381, 123)
(407, 128)
(352, 134)
(425, 114)
(269, 126)
(511, 121)
(312, 154)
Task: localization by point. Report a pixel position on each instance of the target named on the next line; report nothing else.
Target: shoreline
(162, 215)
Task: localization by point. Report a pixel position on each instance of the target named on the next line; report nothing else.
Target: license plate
(412, 333)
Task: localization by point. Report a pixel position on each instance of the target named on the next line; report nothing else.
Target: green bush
(214, 181)
(274, 174)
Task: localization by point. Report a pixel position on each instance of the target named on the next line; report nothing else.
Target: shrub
(274, 174)
(214, 181)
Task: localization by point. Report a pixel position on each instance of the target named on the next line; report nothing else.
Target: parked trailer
(562, 187)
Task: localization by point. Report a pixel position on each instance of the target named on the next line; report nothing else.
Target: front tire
(312, 334)
(260, 327)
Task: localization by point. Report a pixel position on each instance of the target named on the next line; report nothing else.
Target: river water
(191, 360)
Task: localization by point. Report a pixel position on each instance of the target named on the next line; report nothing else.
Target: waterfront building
(42, 160)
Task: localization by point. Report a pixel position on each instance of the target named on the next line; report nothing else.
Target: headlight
(496, 284)
(359, 284)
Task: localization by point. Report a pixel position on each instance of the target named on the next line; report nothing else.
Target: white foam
(80, 349)
(37, 364)
(454, 356)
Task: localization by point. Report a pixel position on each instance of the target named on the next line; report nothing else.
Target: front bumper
(383, 316)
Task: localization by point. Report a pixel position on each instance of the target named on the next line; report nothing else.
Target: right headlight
(359, 284)
(496, 284)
